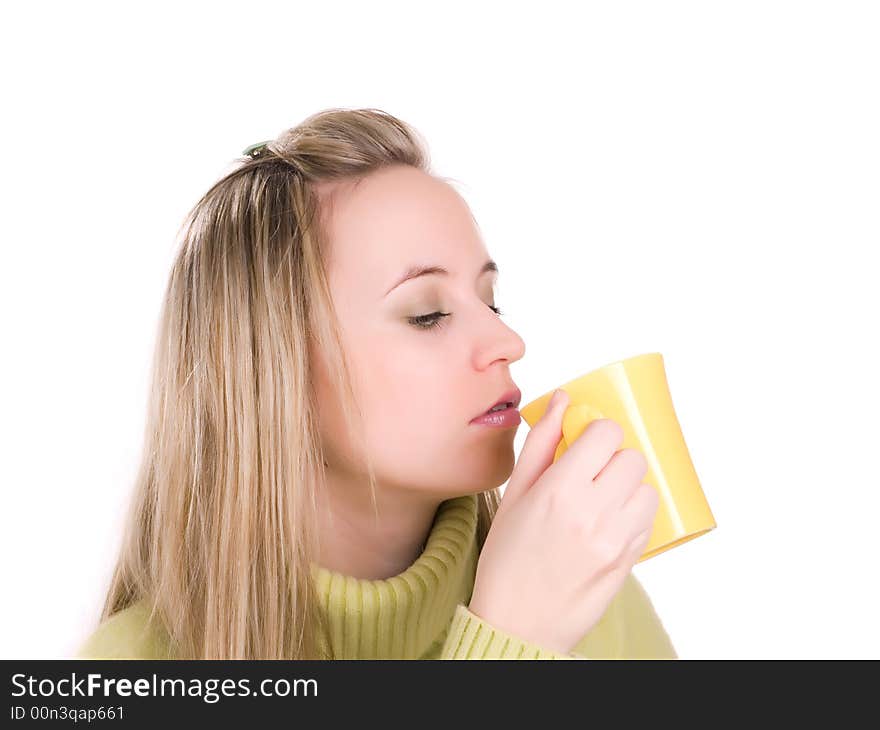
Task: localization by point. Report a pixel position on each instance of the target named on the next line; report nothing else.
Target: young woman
(313, 482)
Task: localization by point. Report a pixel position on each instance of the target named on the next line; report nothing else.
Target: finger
(637, 546)
(590, 452)
(620, 478)
(538, 449)
(639, 512)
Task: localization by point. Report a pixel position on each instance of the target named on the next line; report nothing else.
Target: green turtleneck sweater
(422, 613)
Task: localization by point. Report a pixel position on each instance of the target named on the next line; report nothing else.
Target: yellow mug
(634, 393)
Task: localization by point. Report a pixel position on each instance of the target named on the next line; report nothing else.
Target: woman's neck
(354, 542)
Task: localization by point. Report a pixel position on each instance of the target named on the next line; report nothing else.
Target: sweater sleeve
(470, 637)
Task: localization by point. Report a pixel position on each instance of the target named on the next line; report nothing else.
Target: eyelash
(433, 320)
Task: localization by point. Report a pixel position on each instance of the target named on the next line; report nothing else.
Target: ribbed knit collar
(403, 616)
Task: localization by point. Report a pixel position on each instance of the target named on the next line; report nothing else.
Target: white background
(699, 179)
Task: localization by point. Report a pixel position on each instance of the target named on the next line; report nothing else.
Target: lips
(512, 397)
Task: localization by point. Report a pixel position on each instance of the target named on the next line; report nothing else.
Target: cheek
(411, 387)
(409, 397)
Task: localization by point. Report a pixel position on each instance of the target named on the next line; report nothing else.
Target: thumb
(539, 448)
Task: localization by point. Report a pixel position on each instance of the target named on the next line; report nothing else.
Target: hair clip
(255, 149)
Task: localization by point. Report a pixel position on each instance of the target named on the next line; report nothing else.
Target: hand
(566, 535)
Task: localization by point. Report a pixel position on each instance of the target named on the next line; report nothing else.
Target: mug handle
(574, 421)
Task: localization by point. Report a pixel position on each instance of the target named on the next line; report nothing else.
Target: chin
(492, 475)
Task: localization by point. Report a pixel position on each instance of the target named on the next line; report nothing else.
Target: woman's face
(419, 388)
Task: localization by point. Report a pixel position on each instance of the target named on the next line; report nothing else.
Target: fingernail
(558, 396)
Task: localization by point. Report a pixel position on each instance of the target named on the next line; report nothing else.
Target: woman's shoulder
(127, 634)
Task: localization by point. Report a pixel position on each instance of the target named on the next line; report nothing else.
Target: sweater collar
(403, 616)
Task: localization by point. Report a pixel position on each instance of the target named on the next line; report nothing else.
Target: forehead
(395, 218)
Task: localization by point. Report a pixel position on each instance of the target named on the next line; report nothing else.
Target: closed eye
(434, 319)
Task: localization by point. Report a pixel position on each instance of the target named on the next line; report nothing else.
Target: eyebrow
(416, 271)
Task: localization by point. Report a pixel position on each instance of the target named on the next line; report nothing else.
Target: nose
(497, 341)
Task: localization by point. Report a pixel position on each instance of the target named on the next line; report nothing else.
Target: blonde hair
(220, 534)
